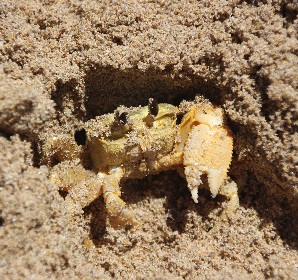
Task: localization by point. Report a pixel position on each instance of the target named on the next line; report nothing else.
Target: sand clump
(64, 62)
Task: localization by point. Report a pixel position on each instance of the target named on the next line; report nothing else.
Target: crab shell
(136, 145)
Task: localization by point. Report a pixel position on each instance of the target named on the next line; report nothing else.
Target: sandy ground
(64, 62)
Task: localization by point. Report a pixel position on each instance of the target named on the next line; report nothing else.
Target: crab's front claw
(207, 151)
(205, 146)
(82, 185)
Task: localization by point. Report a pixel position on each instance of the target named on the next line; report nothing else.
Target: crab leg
(229, 189)
(82, 185)
(119, 215)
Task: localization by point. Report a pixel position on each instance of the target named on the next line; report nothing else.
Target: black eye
(121, 118)
(153, 107)
(80, 137)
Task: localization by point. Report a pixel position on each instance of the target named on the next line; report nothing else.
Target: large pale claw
(207, 151)
(207, 148)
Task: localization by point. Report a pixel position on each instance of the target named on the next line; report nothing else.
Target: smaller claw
(82, 185)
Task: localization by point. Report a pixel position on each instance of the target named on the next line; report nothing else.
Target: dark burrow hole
(117, 40)
(236, 38)
(107, 88)
(5, 134)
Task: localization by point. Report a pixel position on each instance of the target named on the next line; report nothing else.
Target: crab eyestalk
(153, 107)
(120, 119)
(152, 111)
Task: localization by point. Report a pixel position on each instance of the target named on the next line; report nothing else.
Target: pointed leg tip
(123, 221)
(194, 194)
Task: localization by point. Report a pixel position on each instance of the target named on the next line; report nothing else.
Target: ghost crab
(137, 141)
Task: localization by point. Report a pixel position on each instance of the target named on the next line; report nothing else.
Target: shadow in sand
(107, 88)
(177, 205)
(98, 220)
(273, 207)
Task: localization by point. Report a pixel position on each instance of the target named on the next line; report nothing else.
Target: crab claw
(207, 148)
(82, 185)
(207, 151)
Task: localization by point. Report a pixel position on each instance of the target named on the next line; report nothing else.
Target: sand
(65, 62)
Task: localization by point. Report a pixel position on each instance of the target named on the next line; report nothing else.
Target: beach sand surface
(65, 62)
